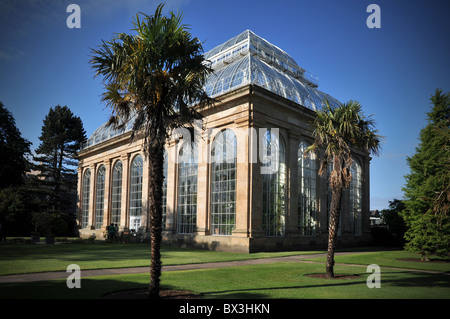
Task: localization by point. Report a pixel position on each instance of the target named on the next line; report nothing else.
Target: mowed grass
(279, 280)
(394, 258)
(286, 280)
(290, 280)
(19, 259)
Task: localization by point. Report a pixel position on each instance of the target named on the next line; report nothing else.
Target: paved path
(138, 270)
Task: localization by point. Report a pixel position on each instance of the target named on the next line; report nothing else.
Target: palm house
(243, 184)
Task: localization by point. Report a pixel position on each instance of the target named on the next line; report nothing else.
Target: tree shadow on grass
(412, 280)
(416, 279)
(116, 289)
(253, 292)
(94, 288)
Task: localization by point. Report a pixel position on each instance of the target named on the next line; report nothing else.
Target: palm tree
(339, 130)
(154, 77)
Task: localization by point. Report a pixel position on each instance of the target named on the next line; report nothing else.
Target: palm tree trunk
(156, 177)
(335, 212)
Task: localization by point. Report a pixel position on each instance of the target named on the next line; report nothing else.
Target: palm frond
(156, 74)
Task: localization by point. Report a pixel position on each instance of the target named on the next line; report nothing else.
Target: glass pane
(116, 197)
(136, 173)
(307, 199)
(100, 197)
(85, 199)
(223, 183)
(187, 188)
(274, 185)
(164, 189)
(356, 199)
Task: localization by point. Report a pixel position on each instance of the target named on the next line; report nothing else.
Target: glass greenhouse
(245, 183)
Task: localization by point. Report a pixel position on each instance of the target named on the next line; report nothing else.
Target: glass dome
(248, 59)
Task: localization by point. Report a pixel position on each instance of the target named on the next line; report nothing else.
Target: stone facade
(249, 107)
(225, 200)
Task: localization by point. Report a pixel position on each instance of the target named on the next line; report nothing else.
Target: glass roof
(105, 132)
(249, 59)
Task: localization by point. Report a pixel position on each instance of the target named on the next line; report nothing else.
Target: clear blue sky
(392, 71)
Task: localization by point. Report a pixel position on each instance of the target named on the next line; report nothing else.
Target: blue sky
(391, 71)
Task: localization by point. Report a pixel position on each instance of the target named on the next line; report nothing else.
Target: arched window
(355, 198)
(85, 199)
(187, 188)
(164, 189)
(223, 183)
(116, 196)
(307, 191)
(274, 184)
(136, 173)
(100, 197)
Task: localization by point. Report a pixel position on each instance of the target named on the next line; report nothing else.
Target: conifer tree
(427, 189)
(13, 150)
(61, 138)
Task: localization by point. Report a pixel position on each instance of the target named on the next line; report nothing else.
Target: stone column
(243, 178)
(79, 193)
(204, 152)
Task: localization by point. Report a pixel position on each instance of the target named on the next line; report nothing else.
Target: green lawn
(280, 280)
(393, 259)
(288, 280)
(19, 259)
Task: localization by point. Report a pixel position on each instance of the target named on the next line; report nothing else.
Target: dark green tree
(394, 221)
(13, 151)
(157, 74)
(61, 138)
(427, 191)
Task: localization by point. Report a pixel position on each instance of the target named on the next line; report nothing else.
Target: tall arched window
(187, 188)
(100, 197)
(116, 196)
(223, 183)
(164, 189)
(274, 184)
(356, 198)
(307, 191)
(85, 199)
(136, 173)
